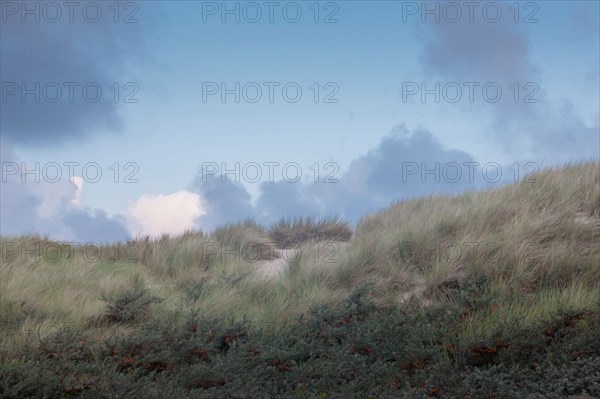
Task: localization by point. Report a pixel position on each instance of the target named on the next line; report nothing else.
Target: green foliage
(355, 350)
(128, 307)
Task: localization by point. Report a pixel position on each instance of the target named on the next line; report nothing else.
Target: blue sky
(177, 49)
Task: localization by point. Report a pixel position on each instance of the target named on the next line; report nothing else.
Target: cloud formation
(164, 214)
(499, 52)
(51, 72)
(224, 201)
(51, 208)
(396, 169)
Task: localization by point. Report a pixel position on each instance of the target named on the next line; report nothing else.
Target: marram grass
(474, 275)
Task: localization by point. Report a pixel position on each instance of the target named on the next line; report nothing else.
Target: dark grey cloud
(555, 134)
(391, 165)
(501, 52)
(478, 51)
(224, 201)
(48, 209)
(94, 226)
(14, 199)
(54, 54)
(392, 171)
(17, 213)
(282, 198)
(406, 164)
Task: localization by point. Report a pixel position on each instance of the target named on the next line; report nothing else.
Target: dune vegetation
(486, 294)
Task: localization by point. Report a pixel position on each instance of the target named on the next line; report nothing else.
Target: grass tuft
(292, 232)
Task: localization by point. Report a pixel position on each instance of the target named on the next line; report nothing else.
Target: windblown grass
(528, 238)
(505, 261)
(292, 232)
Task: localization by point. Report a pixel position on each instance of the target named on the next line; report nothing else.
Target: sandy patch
(272, 268)
(589, 221)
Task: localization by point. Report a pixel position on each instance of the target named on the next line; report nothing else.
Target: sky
(121, 119)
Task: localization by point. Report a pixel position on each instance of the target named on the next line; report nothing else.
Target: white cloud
(78, 181)
(164, 214)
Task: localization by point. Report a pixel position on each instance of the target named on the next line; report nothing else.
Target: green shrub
(128, 307)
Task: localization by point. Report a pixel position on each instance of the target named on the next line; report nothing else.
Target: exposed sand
(586, 220)
(326, 252)
(272, 268)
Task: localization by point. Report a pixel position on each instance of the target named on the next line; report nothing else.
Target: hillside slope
(484, 294)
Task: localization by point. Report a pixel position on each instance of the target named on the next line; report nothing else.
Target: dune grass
(292, 232)
(510, 259)
(526, 238)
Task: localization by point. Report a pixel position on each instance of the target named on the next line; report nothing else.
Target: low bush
(128, 307)
(356, 350)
